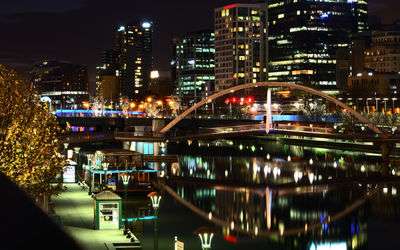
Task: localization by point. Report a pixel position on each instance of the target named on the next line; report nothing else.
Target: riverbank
(75, 208)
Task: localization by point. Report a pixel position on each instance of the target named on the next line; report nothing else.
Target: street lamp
(160, 103)
(155, 202)
(105, 167)
(89, 157)
(78, 162)
(206, 234)
(132, 105)
(86, 105)
(125, 181)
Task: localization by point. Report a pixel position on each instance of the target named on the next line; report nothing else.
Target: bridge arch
(271, 84)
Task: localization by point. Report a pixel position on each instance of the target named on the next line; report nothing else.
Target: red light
(231, 239)
(234, 100)
(234, 77)
(230, 6)
(250, 100)
(227, 100)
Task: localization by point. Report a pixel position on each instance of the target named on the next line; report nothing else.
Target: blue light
(324, 15)
(140, 218)
(85, 111)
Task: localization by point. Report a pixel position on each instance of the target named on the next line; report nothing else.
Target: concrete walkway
(75, 207)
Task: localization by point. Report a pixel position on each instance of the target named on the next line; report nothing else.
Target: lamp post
(155, 202)
(132, 105)
(76, 150)
(160, 103)
(125, 180)
(89, 157)
(393, 100)
(87, 106)
(206, 234)
(105, 167)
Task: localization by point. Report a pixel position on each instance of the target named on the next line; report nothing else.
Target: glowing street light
(87, 106)
(155, 202)
(105, 168)
(206, 234)
(155, 199)
(125, 180)
(160, 103)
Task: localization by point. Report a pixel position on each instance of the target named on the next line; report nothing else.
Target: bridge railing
(304, 128)
(262, 126)
(94, 136)
(146, 134)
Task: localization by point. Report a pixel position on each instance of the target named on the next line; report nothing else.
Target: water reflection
(295, 196)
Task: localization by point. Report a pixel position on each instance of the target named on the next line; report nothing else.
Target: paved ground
(75, 207)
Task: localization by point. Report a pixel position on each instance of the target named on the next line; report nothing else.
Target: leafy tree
(314, 111)
(349, 121)
(385, 122)
(29, 142)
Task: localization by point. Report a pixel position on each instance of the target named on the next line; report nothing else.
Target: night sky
(78, 30)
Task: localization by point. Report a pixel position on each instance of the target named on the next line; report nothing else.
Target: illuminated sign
(121, 28)
(154, 74)
(329, 246)
(69, 174)
(146, 25)
(230, 6)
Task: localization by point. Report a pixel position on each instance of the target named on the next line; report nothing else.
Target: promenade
(75, 207)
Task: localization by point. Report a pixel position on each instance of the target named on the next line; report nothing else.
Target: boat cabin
(106, 168)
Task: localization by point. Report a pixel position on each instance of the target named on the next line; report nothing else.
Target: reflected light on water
(297, 176)
(311, 177)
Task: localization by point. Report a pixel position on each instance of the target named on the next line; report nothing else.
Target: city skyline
(64, 31)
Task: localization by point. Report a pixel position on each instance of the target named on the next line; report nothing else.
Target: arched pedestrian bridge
(272, 84)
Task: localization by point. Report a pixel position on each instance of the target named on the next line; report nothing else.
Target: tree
(349, 121)
(29, 133)
(314, 111)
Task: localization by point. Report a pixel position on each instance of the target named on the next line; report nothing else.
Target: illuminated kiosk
(107, 210)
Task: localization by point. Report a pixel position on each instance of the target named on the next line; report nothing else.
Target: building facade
(384, 54)
(64, 83)
(193, 65)
(241, 51)
(304, 36)
(135, 60)
(375, 91)
(107, 77)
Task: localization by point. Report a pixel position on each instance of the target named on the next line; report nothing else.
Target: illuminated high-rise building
(193, 65)
(241, 51)
(384, 54)
(65, 84)
(107, 77)
(135, 60)
(304, 36)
